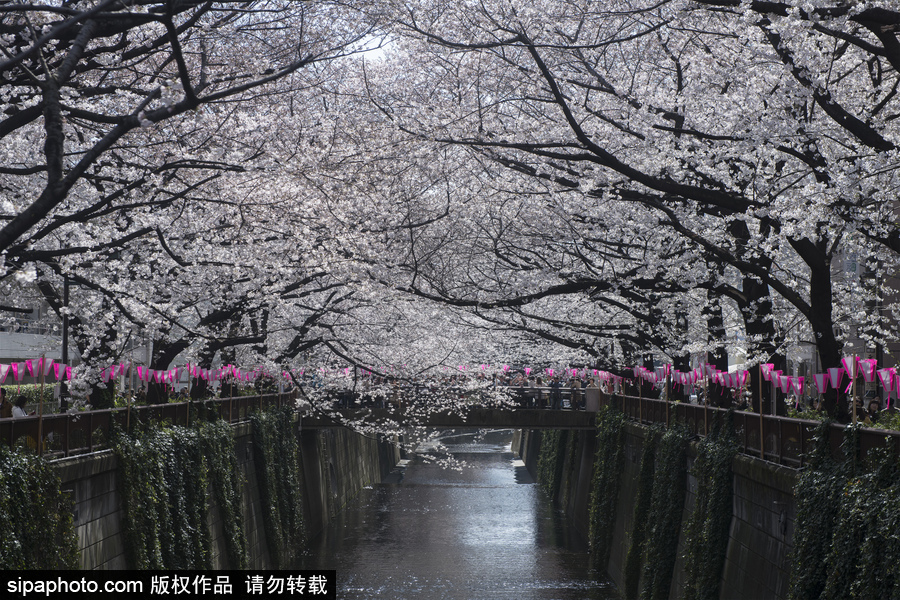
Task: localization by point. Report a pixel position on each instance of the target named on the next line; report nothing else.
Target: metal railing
(75, 433)
(27, 325)
(781, 440)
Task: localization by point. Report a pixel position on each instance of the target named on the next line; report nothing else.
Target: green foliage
(550, 460)
(888, 420)
(708, 528)
(227, 483)
(879, 574)
(608, 464)
(845, 541)
(808, 414)
(164, 478)
(31, 391)
(236, 390)
(163, 484)
(276, 456)
(634, 558)
(666, 506)
(140, 491)
(35, 515)
(863, 562)
(573, 453)
(818, 495)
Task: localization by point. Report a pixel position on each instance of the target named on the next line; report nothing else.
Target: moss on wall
(277, 458)
(551, 460)
(635, 558)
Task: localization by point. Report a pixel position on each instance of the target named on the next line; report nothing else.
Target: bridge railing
(68, 434)
(781, 440)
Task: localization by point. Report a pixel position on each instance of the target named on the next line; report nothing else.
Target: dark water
(488, 532)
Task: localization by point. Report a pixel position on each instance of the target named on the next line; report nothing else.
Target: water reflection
(487, 532)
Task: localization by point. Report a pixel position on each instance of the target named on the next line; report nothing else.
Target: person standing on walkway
(19, 409)
(575, 386)
(6, 406)
(555, 394)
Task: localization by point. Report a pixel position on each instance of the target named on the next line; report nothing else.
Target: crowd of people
(553, 392)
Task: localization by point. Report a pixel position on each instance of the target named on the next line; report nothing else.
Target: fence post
(762, 436)
(640, 402)
(666, 389)
(762, 439)
(780, 441)
(802, 444)
(68, 430)
(705, 407)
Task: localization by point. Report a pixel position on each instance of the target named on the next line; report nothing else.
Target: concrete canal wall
(336, 464)
(762, 522)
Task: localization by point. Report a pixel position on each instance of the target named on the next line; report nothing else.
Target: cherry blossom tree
(559, 181)
(132, 139)
(760, 135)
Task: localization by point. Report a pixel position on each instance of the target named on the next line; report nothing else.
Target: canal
(485, 532)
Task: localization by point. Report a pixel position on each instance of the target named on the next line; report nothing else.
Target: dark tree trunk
(719, 356)
(200, 387)
(821, 318)
(755, 308)
(163, 355)
(681, 363)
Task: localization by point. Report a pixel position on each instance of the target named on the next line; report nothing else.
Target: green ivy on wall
(276, 455)
(573, 454)
(165, 474)
(664, 519)
(863, 554)
(227, 484)
(634, 558)
(707, 530)
(608, 464)
(845, 539)
(35, 515)
(818, 496)
(550, 460)
(162, 486)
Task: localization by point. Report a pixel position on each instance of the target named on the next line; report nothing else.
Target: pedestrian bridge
(475, 418)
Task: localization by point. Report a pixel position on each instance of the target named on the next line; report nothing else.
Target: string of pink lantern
(61, 372)
(852, 366)
(34, 368)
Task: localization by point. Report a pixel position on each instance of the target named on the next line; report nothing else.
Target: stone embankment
(762, 520)
(336, 465)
